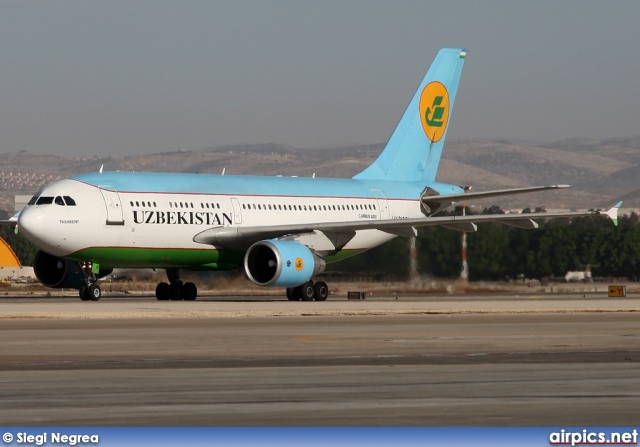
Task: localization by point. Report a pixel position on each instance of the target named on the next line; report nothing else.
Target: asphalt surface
(560, 360)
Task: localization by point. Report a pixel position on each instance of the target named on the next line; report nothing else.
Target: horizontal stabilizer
(453, 198)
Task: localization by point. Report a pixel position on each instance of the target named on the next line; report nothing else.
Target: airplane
(282, 231)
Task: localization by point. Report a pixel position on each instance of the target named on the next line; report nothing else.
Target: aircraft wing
(242, 237)
(13, 220)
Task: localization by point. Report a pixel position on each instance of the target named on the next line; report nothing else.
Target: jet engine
(59, 273)
(281, 263)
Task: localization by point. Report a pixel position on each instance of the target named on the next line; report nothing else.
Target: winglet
(612, 213)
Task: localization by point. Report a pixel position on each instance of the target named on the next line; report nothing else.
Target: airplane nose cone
(31, 224)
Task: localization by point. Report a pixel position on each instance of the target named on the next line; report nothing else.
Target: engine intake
(277, 263)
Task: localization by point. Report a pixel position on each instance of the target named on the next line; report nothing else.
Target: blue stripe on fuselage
(155, 182)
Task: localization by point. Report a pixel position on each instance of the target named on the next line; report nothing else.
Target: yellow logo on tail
(434, 110)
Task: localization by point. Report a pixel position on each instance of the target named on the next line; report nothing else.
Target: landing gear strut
(90, 291)
(308, 292)
(175, 289)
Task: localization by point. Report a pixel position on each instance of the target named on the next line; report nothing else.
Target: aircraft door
(383, 205)
(237, 212)
(112, 202)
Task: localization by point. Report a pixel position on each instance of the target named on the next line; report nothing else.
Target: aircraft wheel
(84, 293)
(292, 295)
(321, 291)
(176, 292)
(163, 291)
(307, 291)
(189, 291)
(94, 292)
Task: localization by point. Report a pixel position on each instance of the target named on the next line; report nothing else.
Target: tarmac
(392, 360)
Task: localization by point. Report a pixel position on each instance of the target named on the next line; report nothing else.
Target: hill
(602, 172)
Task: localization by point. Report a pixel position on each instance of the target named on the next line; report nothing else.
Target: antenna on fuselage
(101, 168)
(224, 169)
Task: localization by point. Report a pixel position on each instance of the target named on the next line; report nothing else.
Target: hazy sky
(82, 78)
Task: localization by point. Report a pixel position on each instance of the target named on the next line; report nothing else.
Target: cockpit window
(69, 201)
(58, 201)
(43, 200)
(34, 199)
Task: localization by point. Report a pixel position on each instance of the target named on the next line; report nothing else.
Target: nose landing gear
(90, 291)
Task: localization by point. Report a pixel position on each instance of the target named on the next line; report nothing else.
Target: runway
(437, 360)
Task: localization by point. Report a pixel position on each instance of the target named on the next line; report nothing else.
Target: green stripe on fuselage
(208, 259)
(129, 257)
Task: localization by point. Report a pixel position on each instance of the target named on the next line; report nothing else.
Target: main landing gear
(308, 292)
(90, 291)
(176, 290)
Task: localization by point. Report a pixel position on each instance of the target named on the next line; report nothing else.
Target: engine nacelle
(281, 263)
(59, 273)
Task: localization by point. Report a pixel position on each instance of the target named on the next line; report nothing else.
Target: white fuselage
(105, 221)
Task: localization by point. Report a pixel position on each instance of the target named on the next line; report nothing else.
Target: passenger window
(58, 201)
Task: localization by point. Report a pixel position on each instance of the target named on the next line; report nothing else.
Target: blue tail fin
(414, 149)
